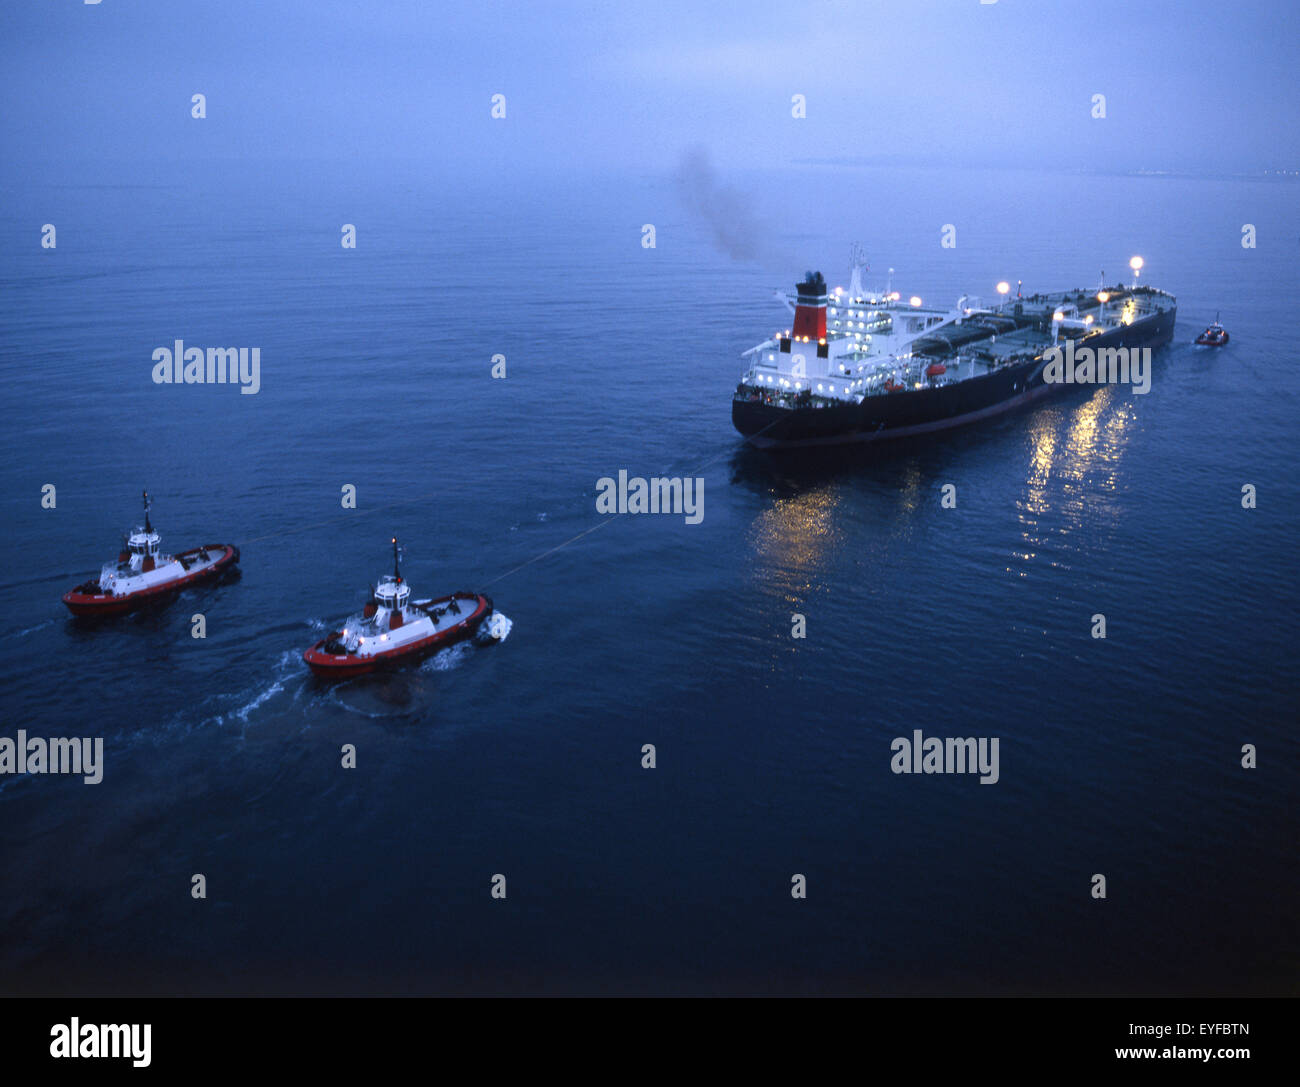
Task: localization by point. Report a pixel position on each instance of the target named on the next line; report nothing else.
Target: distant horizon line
(32, 164)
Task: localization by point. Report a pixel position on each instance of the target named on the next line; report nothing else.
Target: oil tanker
(860, 366)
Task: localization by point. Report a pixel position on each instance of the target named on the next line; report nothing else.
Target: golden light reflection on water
(1073, 469)
(792, 537)
(1098, 438)
(910, 492)
(1043, 437)
(797, 537)
(792, 541)
(1081, 443)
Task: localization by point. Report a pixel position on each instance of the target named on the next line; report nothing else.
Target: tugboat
(1214, 336)
(142, 574)
(393, 627)
(869, 366)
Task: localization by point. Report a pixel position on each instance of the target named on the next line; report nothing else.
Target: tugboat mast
(147, 505)
(397, 573)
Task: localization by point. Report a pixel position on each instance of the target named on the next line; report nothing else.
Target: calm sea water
(1119, 757)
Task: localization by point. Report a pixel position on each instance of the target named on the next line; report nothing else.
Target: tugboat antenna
(147, 526)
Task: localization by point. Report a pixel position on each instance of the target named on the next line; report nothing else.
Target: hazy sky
(1193, 84)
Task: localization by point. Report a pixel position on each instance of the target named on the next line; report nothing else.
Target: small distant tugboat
(394, 628)
(1214, 336)
(142, 574)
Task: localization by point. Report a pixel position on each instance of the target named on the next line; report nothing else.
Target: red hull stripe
(96, 604)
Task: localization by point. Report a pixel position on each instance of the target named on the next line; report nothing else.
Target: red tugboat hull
(346, 665)
(86, 600)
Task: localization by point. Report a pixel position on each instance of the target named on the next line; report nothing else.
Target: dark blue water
(1119, 757)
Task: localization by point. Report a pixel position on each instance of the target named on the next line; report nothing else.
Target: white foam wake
(29, 630)
(269, 693)
(499, 626)
(447, 659)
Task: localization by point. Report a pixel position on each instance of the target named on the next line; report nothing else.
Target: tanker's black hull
(922, 411)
